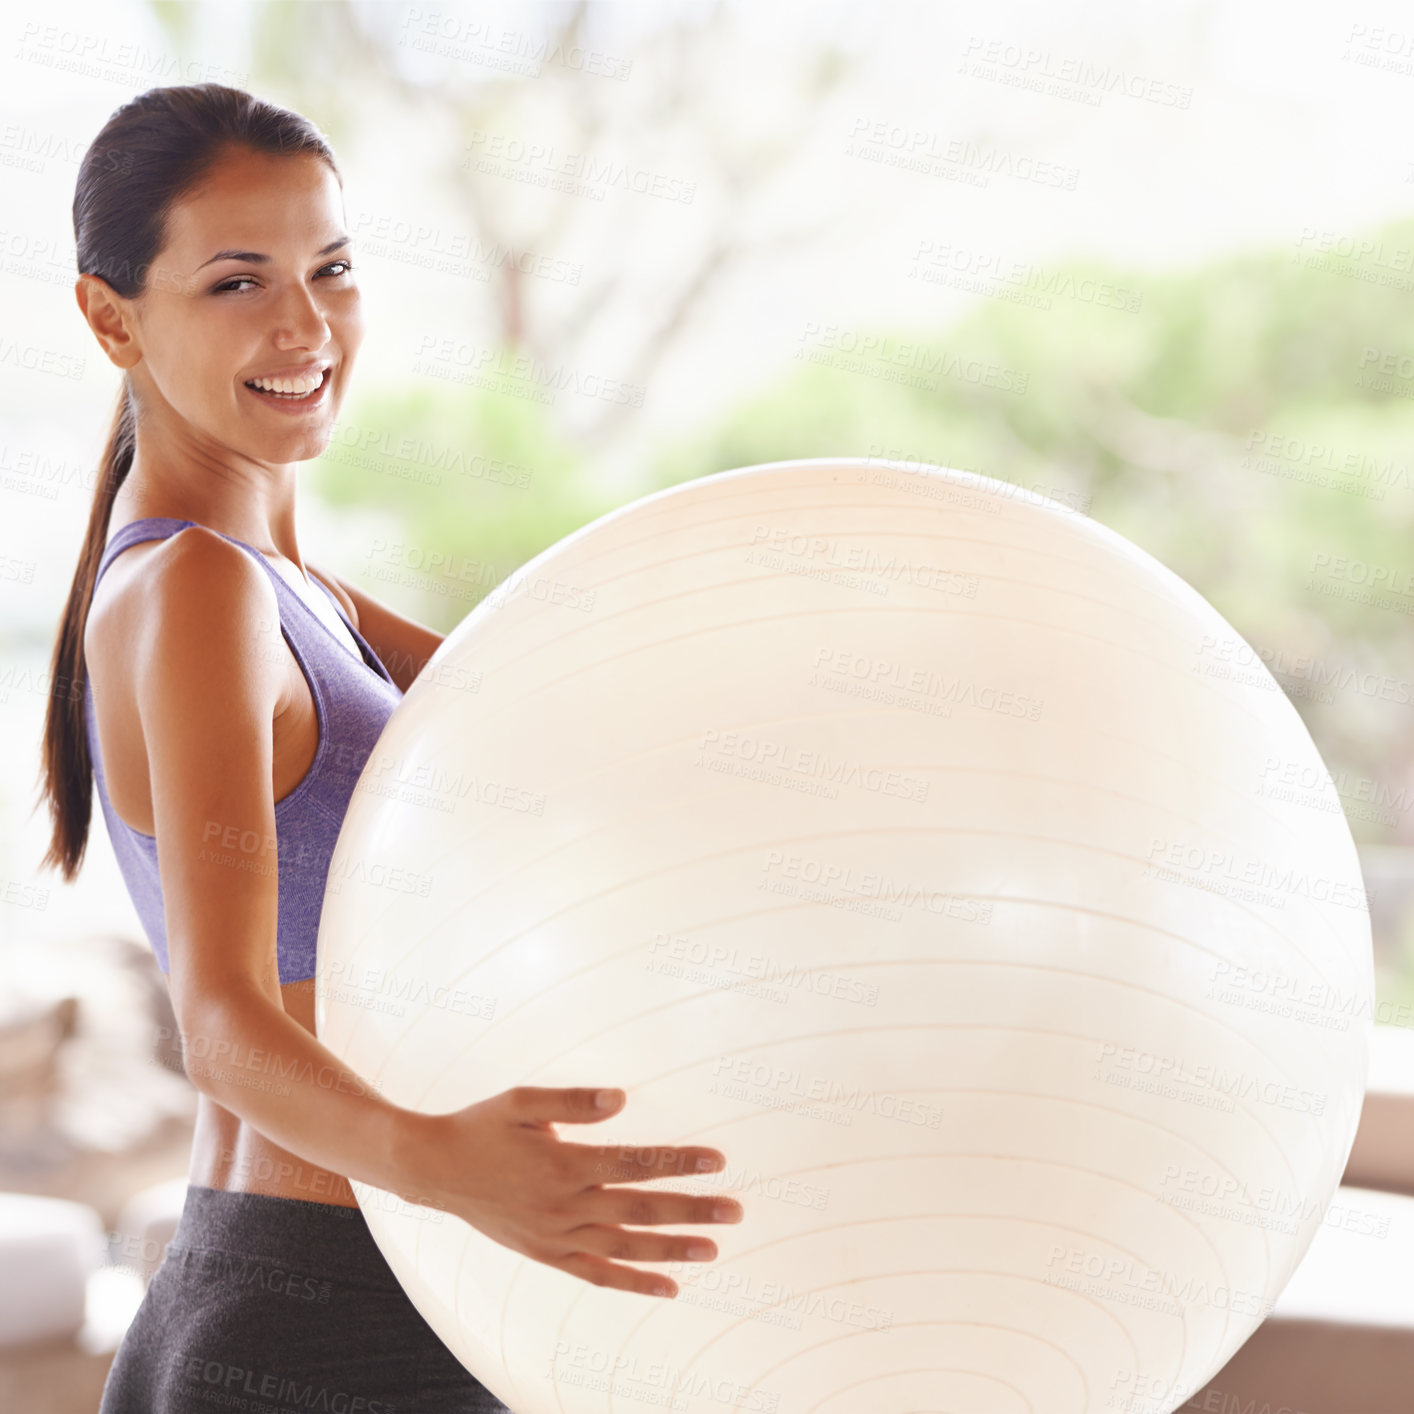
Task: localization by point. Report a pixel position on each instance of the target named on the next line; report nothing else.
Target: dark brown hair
(151, 152)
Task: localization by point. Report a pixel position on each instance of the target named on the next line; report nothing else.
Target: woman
(225, 699)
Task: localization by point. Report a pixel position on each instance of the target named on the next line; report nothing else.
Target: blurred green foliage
(1232, 419)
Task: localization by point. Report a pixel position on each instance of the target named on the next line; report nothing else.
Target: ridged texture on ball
(935, 853)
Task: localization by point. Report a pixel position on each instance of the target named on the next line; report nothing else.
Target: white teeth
(296, 387)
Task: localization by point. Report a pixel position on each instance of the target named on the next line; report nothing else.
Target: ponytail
(151, 152)
(66, 771)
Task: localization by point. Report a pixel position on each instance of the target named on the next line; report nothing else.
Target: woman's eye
(236, 280)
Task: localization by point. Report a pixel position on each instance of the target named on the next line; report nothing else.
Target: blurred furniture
(49, 1247)
(94, 1109)
(1340, 1339)
(145, 1226)
(1383, 1152)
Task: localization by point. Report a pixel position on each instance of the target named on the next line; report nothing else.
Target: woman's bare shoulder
(187, 609)
(183, 653)
(155, 584)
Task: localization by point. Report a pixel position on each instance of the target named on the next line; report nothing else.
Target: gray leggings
(279, 1306)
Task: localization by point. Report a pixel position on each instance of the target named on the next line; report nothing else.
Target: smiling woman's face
(253, 285)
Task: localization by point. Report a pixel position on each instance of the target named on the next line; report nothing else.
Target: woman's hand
(500, 1165)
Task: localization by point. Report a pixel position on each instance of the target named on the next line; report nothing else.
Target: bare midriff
(228, 1153)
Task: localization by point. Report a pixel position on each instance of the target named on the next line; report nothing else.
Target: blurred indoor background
(1156, 263)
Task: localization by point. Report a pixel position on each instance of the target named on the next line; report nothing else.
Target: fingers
(601, 1272)
(644, 1207)
(607, 1163)
(540, 1104)
(620, 1245)
(600, 1240)
(638, 1163)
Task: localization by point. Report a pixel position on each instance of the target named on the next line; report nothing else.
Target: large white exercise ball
(936, 854)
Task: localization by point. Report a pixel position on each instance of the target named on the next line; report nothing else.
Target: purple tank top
(352, 701)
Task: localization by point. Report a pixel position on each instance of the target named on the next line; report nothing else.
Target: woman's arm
(403, 644)
(208, 674)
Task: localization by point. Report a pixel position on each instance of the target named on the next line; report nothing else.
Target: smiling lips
(303, 389)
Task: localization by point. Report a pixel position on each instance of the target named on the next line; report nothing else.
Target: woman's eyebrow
(255, 258)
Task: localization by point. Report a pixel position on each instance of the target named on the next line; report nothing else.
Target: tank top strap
(160, 528)
(133, 533)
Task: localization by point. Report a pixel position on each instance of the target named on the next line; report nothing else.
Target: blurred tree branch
(682, 76)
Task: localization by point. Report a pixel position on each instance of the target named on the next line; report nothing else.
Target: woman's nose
(302, 321)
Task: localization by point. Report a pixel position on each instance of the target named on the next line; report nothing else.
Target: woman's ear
(109, 315)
